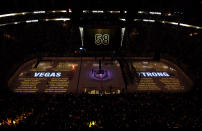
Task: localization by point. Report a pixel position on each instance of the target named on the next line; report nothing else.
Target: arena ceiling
(13, 5)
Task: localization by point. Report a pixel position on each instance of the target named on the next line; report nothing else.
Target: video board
(102, 38)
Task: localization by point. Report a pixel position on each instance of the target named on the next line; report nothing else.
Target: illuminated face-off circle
(98, 74)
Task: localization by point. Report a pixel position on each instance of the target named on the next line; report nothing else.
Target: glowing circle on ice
(102, 74)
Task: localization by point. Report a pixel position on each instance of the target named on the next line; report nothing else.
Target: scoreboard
(102, 38)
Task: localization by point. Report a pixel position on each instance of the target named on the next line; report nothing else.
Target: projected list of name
(38, 84)
(57, 85)
(29, 84)
(147, 84)
(172, 84)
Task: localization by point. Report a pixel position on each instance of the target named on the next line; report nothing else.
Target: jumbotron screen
(102, 38)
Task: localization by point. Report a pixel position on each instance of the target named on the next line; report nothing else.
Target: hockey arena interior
(81, 64)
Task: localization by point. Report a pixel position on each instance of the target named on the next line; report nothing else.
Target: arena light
(169, 14)
(70, 10)
(114, 12)
(31, 21)
(122, 35)
(148, 20)
(81, 33)
(186, 25)
(59, 11)
(82, 49)
(62, 11)
(141, 12)
(168, 22)
(57, 19)
(13, 14)
(197, 27)
(3, 24)
(162, 22)
(39, 12)
(97, 11)
(35, 12)
(16, 23)
(122, 19)
(85, 11)
(22, 13)
(174, 23)
(62, 19)
(67, 19)
(137, 19)
(155, 13)
(6, 15)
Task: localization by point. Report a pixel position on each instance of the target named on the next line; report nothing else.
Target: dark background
(17, 5)
(52, 4)
(192, 8)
